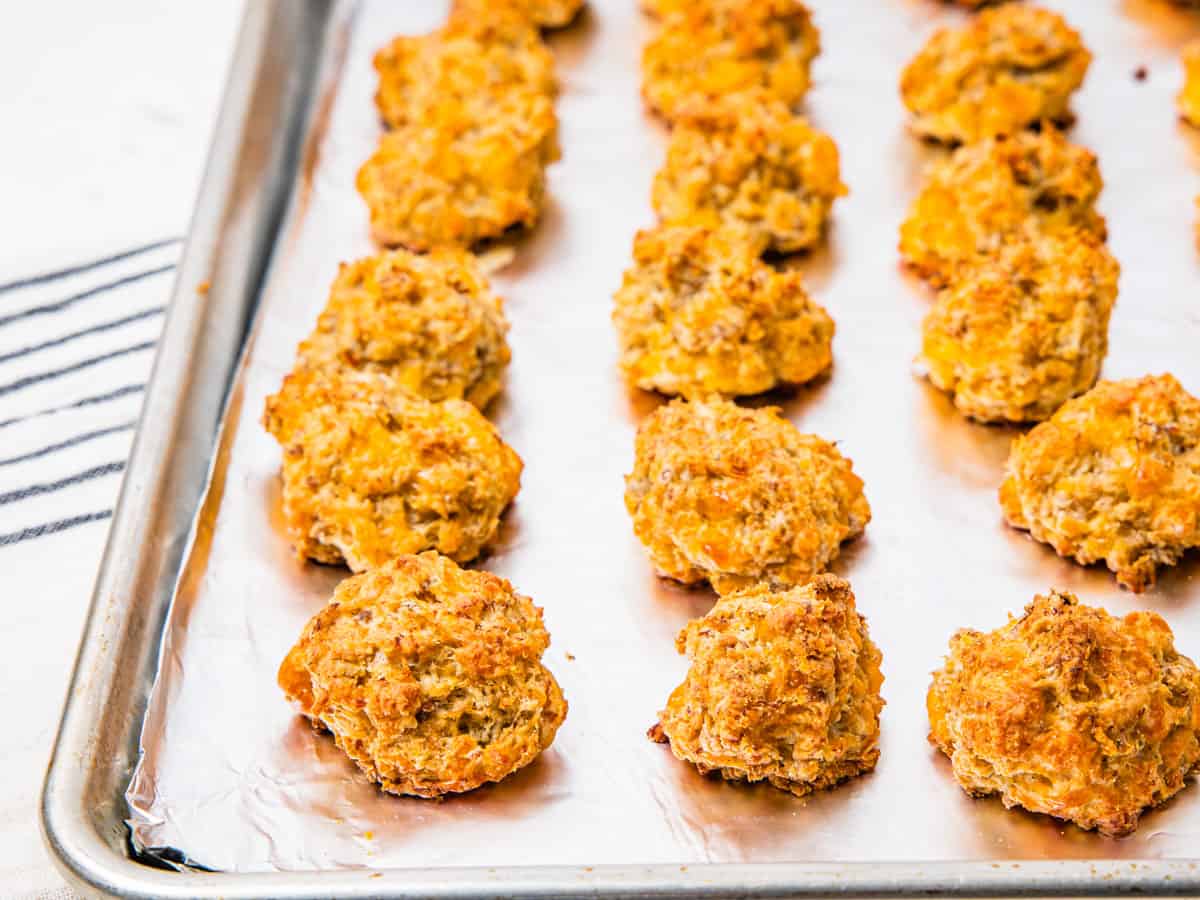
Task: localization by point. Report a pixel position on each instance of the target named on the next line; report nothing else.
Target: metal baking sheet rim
(102, 719)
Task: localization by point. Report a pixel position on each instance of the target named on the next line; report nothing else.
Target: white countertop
(107, 109)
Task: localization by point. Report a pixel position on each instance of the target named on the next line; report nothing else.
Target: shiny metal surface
(242, 199)
(233, 780)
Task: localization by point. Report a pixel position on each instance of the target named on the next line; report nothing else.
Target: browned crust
(783, 687)
(1070, 712)
(428, 676)
(736, 496)
(1113, 477)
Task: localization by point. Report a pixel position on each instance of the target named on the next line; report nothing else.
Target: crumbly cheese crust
(1070, 712)
(707, 51)
(975, 4)
(371, 471)
(463, 70)
(430, 323)
(699, 313)
(428, 676)
(461, 181)
(1015, 336)
(1189, 95)
(1113, 477)
(737, 496)
(473, 127)
(972, 203)
(542, 13)
(747, 161)
(783, 687)
(1007, 69)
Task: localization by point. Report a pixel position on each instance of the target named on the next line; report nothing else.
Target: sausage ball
(747, 161)
(458, 182)
(737, 496)
(973, 202)
(429, 677)
(1007, 69)
(430, 323)
(707, 51)
(1113, 477)
(371, 472)
(783, 687)
(660, 9)
(463, 70)
(542, 13)
(699, 313)
(1189, 96)
(1015, 336)
(1070, 712)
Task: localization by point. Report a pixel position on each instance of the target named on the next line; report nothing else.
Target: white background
(107, 109)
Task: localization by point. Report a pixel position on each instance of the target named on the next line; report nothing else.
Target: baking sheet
(233, 779)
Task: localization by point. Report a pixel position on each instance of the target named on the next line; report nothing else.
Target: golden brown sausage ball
(542, 13)
(371, 472)
(428, 676)
(748, 161)
(1189, 95)
(460, 182)
(660, 9)
(461, 71)
(430, 323)
(708, 51)
(471, 108)
(974, 201)
(975, 4)
(551, 13)
(783, 687)
(1007, 69)
(1113, 477)
(699, 313)
(1015, 336)
(1070, 712)
(737, 496)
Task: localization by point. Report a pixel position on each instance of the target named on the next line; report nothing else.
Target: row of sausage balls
(384, 459)
(430, 678)
(471, 125)
(386, 455)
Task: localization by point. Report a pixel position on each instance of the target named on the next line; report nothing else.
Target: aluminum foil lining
(233, 779)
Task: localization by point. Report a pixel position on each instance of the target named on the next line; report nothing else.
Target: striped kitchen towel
(76, 347)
